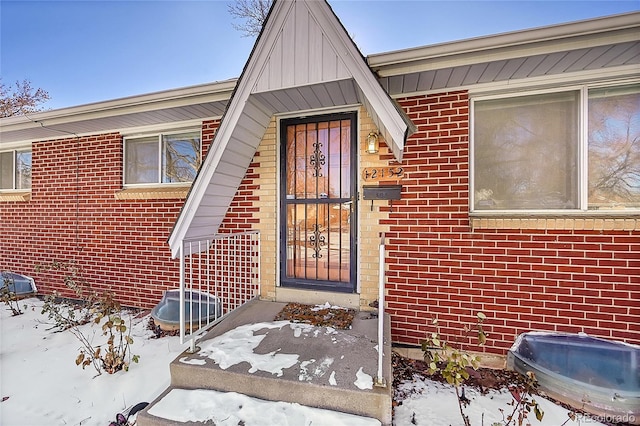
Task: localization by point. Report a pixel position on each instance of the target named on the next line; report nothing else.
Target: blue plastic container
(20, 285)
(200, 309)
(596, 375)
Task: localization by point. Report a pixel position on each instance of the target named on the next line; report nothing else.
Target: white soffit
(303, 57)
(592, 46)
(200, 102)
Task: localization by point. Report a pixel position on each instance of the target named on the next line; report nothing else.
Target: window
(614, 148)
(566, 151)
(164, 158)
(15, 169)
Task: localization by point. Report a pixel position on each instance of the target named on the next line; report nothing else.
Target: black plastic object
(381, 192)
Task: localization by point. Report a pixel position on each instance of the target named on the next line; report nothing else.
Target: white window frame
(159, 136)
(583, 151)
(14, 171)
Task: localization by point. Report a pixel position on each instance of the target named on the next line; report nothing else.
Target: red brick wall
(243, 214)
(73, 216)
(438, 266)
(523, 280)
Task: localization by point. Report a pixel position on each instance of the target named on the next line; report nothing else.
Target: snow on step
(231, 408)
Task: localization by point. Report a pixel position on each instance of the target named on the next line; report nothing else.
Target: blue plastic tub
(597, 375)
(20, 285)
(200, 309)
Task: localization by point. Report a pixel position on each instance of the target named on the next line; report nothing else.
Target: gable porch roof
(303, 60)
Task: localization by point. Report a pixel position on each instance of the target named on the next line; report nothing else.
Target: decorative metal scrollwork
(317, 159)
(317, 241)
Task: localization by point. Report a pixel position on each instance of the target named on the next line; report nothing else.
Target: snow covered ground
(41, 385)
(435, 404)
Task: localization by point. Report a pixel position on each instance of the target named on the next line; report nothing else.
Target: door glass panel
(318, 241)
(317, 204)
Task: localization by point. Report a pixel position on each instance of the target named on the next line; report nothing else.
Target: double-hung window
(15, 169)
(162, 159)
(569, 150)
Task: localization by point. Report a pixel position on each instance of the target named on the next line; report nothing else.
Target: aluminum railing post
(380, 381)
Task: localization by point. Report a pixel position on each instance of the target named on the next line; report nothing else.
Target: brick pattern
(439, 262)
(602, 223)
(568, 280)
(73, 216)
(242, 214)
(209, 129)
(266, 191)
(371, 215)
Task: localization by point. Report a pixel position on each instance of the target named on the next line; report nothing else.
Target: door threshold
(315, 297)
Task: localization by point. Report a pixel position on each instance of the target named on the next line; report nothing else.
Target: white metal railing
(379, 381)
(217, 275)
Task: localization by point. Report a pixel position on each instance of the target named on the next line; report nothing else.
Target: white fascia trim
(369, 85)
(11, 146)
(177, 126)
(124, 131)
(317, 111)
(589, 33)
(149, 102)
(617, 75)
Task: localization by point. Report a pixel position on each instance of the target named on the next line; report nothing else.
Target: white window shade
(526, 152)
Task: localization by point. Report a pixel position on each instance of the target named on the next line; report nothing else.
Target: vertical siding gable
(301, 55)
(298, 37)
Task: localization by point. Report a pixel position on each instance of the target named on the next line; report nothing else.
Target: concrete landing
(319, 367)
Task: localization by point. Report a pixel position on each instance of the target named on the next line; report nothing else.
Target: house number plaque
(374, 174)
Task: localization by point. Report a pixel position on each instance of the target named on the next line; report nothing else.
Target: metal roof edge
(482, 45)
(396, 123)
(167, 98)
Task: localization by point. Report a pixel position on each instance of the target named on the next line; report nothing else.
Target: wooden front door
(318, 208)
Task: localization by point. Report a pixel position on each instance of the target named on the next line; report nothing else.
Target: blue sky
(89, 51)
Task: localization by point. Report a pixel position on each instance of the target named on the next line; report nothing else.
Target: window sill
(588, 221)
(153, 193)
(20, 196)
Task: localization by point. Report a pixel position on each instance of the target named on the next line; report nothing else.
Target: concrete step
(318, 367)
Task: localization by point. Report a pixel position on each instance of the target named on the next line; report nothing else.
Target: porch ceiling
(333, 94)
(226, 167)
(315, 96)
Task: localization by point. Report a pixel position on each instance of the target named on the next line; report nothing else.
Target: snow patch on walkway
(363, 380)
(237, 346)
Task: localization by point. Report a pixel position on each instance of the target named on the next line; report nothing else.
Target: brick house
(502, 170)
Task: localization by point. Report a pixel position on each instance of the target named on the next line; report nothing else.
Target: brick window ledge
(15, 196)
(590, 221)
(153, 193)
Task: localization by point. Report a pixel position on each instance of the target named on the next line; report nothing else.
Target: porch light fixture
(372, 143)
